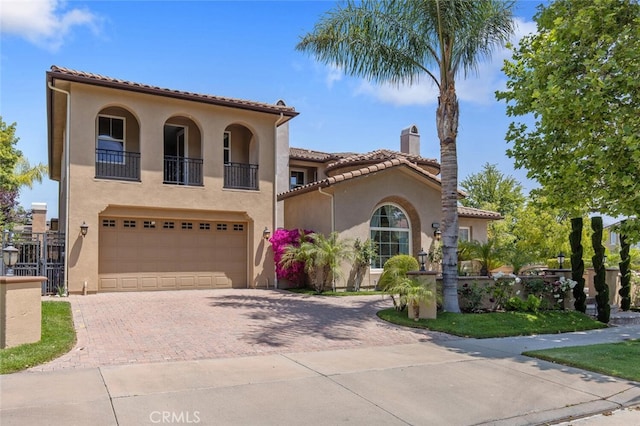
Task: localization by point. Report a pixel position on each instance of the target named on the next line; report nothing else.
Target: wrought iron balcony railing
(120, 165)
(182, 170)
(241, 176)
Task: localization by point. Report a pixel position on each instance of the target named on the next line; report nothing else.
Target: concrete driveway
(143, 327)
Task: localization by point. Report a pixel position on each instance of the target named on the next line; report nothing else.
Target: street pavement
(323, 361)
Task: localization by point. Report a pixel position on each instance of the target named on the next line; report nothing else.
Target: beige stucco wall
(356, 200)
(89, 197)
(478, 227)
(21, 310)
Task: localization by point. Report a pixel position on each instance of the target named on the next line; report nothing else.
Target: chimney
(39, 217)
(410, 140)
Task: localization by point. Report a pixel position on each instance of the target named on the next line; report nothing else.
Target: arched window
(390, 233)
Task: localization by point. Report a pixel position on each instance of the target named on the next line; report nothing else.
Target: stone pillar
(428, 280)
(612, 277)
(21, 313)
(39, 219)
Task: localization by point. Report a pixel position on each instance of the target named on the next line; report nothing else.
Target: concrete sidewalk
(453, 382)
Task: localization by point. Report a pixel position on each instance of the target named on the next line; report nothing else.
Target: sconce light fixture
(84, 228)
(266, 234)
(10, 258)
(560, 259)
(422, 255)
(436, 230)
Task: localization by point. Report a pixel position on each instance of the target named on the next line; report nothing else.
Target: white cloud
(478, 88)
(45, 23)
(334, 74)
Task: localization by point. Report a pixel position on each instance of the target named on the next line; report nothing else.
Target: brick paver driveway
(126, 328)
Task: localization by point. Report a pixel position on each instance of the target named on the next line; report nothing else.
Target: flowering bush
(280, 240)
(501, 290)
(559, 288)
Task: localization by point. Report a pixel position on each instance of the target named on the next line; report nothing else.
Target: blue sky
(238, 49)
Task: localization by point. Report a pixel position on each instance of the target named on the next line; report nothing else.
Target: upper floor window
(296, 179)
(227, 148)
(464, 233)
(111, 141)
(389, 229)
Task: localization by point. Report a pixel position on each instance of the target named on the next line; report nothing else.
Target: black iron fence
(120, 165)
(182, 170)
(241, 176)
(39, 254)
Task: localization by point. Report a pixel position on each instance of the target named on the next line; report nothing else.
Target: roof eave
(53, 75)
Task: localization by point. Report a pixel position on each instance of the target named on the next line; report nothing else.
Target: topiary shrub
(625, 272)
(599, 281)
(577, 265)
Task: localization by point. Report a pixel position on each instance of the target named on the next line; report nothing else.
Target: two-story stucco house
(162, 189)
(175, 188)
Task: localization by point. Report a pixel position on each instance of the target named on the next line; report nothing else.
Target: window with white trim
(297, 178)
(390, 232)
(226, 147)
(110, 139)
(464, 233)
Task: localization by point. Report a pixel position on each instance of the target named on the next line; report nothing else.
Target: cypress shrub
(599, 281)
(625, 272)
(577, 265)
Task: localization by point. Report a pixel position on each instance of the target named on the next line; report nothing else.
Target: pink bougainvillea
(280, 239)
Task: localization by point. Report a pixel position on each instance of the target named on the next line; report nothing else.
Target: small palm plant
(411, 293)
(394, 278)
(322, 257)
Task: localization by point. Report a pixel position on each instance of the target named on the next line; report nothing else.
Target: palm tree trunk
(447, 124)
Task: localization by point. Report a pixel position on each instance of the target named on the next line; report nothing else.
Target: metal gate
(39, 254)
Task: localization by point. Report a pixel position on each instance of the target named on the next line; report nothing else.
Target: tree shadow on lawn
(316, 322)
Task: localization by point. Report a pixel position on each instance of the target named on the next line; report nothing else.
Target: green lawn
(612, 359)
(58, 337)
(498, 324)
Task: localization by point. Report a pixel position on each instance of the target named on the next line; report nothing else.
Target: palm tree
(398, 41)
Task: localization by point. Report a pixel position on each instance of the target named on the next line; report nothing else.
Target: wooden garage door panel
(158, 258)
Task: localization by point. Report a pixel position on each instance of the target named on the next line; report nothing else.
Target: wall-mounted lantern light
(266, 234)
(84, 228)
(436, 230)
(560, 259)
(422, 255)
(10, 258)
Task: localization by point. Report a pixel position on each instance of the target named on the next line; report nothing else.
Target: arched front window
(390, 233)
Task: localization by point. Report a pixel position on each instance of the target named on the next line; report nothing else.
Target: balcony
(120, 165)
(182, 171)
(241, 176)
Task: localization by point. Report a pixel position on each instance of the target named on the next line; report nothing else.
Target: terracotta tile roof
(477, 213)
(374, 168)
(311, 155)
(61, 73)
(382, 155)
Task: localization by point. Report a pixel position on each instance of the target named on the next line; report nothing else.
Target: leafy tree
(579, 77)
(15, 172)
(492, 190)
(399, 41)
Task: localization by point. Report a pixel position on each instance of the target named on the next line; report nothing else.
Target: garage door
(136, 254)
